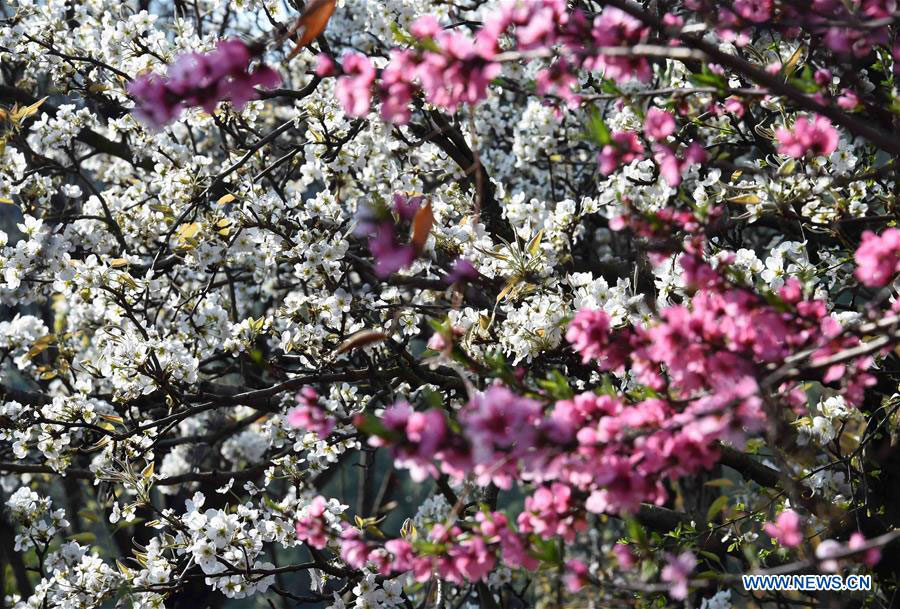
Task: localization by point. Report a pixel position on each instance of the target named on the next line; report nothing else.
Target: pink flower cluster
(713, 346)
(202, 80)
(829, 549)
(615, 28)
(312, 527)
(615, 454)
(672, 167)
(624, 149)
(416, 437)
(391, 255)
(309, 415)
(833, 18)
(787, 529)
(878, 257)
(552, 511)
(353, 89)
(452, 68)
(454, 554)
(816, 137)
(677, 573)
(603, 453)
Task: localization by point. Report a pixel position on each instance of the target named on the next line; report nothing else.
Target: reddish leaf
(363, 338)
(421, 226)
(312, 22)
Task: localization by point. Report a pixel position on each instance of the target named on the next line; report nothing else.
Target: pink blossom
(817, 137)
(671, 167)
(390, 255)
(354, 551)
(787, 529)
(558, 79)
(472, 559)
(756, 11)
(848, 100)
(426, 26)
(437, 342)
(589, 333)
(325, 66)
(624, 149)
(612, 28)
(872, 556)
(309, 415)
(825, 551)
(624, 556)
(421, 434)
(577, 575)
(311, 528)
(878, 257)
(500, 426)
(354, 89)
(406, 207)
(539, 29)
(402, 556)
(462, 271)
(677, 571)
(550, 512)
(203, 80)
(658, 124)
(396, 87)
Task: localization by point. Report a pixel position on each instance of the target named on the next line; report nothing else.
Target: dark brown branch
(91, 138)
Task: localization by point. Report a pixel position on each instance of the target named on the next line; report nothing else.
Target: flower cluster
(583, 259)
(453, 69)
(203, 80)
(309, 415)
(878, 257)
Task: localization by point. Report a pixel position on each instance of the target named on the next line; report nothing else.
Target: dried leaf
(188, 231)
(793, 62)
(40, 345)
(7, 201)
(117, 262)
(745, 200)
(513, 282)
(421, 226)
(534, 246)
(148, 471)
(787, 168)
(363, 338)
(223, 227)
(313, 22)
(27, 111)
(225, 199)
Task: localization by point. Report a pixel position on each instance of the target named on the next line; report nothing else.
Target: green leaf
(708, 79)
(371, 425)
(636, 532)
(717, 506)
(711, 556)
(556, 385)
(546, 550)
(597, 130)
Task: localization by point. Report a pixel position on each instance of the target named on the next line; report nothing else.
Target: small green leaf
(597, 130)
(717, 506)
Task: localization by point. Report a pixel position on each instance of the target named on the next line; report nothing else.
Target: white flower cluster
(80, 579)
(173, 288)
(34, 514)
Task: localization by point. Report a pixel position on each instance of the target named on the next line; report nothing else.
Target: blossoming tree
(426, 303)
